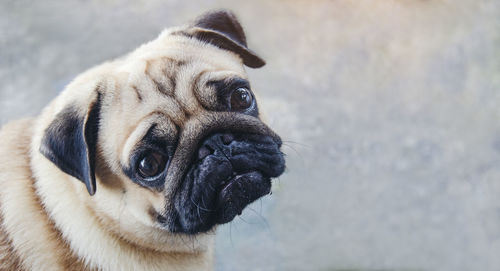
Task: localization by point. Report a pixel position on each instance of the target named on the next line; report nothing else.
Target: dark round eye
(151, 164)
(241, 99)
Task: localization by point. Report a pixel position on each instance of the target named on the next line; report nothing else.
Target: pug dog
(138, 160)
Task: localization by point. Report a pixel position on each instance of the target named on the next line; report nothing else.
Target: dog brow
(226, 85)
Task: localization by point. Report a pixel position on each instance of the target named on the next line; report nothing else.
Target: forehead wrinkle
(153, 99)
(196, 86)
(163, 71)
(166, 105)
(189, 93)
(184, 93)
(172, 110)
(162, 75)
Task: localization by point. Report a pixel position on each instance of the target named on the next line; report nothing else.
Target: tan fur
(50, 222)
(23, 217)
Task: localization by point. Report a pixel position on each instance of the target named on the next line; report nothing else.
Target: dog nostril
(227, 139)
(204, 151)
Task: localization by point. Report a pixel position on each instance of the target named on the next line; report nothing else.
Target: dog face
(169, 135)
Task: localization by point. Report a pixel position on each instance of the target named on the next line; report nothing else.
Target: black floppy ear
(70, 142)
(222, 29)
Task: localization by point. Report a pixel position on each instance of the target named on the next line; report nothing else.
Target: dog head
(168, 138)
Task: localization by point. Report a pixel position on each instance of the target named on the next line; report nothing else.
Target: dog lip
(230, 181)
(224, 184)
(239, 192)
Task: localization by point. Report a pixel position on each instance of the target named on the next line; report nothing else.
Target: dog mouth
(239, 192)
(230, 172)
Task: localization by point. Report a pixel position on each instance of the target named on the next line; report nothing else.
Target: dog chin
(229, 175)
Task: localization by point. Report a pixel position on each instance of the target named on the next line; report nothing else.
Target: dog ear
(222, 29)
(70, 141)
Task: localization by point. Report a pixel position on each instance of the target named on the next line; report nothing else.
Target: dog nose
(211, 144)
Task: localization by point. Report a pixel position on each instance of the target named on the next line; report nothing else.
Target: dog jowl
(231, 171)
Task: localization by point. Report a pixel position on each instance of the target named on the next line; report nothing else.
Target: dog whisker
(298, 143)
(261, 217)
(211, 187)
(199, 207)
(292, 148)
(241, 218)
(199, 216)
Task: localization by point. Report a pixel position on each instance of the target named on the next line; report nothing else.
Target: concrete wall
(390, 112)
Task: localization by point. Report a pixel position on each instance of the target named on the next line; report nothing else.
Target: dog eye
(151, 164)
(241, 99)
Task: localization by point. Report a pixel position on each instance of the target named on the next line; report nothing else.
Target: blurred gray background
(390, 112)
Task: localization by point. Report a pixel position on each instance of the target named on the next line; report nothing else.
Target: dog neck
(49, 227)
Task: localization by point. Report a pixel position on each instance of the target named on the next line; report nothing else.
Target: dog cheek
(195, 202)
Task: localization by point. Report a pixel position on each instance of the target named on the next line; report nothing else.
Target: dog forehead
(171, 73)
(186, 50)
(175, 67)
